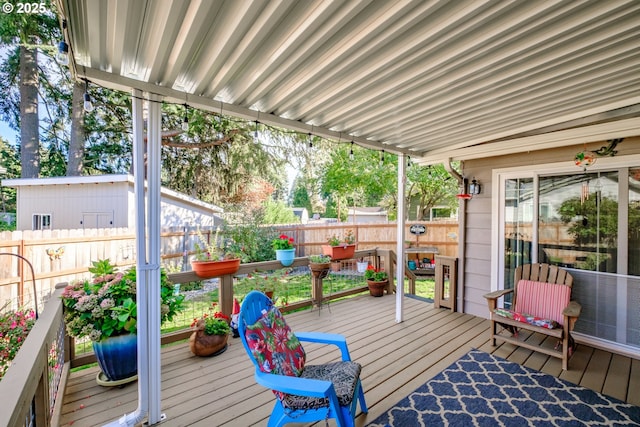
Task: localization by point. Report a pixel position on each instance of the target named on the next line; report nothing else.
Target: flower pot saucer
(102, 380)
(222, 350)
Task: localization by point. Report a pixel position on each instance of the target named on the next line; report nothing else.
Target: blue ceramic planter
(117, 356)
(286, 256)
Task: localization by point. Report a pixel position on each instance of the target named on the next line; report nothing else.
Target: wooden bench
(540, 288)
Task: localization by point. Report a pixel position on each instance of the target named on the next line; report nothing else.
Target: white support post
(152, 266)
(402, 177)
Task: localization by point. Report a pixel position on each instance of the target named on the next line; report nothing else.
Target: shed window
(41, 222)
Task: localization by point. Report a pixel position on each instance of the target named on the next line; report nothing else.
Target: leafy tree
(10, 161)
(430, 186)
(361, 181)
(276, 212)
(301, 197)
(24, 35)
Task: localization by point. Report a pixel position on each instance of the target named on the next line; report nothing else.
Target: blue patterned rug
(484, 390)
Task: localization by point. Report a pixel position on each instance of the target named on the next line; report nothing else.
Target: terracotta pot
(336, 265)
(202, 344)
(339, 252)
(376, 289)
(319, 269)
(209, 269)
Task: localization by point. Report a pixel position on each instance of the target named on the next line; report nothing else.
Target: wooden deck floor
(396, 359)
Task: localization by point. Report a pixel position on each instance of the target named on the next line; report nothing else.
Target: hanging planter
(339, 252)
(209, 269)
(286, 256)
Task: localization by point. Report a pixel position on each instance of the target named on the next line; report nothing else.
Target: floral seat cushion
(526, 318)
(343, 375)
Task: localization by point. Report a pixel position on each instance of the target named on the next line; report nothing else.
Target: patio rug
(484, 390)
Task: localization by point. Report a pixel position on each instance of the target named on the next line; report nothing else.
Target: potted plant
(285, 252)
(377, 280)
(319, 265)
(340, 248)
(211, 259)
(210, 334)
(104, 310)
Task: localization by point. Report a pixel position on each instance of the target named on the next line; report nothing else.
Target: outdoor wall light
(474, 187)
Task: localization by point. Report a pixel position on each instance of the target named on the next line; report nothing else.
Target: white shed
(99, 201)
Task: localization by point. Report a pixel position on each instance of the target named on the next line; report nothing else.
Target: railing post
(226, 294)
(316, 290)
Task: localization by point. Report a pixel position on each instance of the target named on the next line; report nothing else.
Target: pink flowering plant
(14, 328)
(106, 305)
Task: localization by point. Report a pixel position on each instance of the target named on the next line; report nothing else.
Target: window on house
(41, 222)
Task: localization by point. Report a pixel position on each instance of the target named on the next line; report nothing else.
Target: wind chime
(584, 159)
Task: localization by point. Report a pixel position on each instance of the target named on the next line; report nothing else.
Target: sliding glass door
(587, 222)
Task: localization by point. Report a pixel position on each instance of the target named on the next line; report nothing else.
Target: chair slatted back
(542, 273)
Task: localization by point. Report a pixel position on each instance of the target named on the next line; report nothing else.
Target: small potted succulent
(319, 265)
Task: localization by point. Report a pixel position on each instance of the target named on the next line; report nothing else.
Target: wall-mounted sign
(417, 229)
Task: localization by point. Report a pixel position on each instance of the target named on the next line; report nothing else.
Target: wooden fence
(64, 255)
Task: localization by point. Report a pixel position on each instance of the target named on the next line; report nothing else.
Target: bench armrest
(492, 297)
(572, 310)
(497, 294)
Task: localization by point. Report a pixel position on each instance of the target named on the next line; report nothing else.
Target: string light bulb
(351, 156)
(255, 133)
(408, 161)
(63, 53)
(382, 158)
(185, 120)
(87, 105)
(310, 138)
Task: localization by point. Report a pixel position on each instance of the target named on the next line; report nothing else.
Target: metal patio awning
(432, 79)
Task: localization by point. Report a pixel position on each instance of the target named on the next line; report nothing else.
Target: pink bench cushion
(545, 300)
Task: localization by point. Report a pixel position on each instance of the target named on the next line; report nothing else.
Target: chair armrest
(294, 385)
(497, 294)
(572, 310)
(322, 338)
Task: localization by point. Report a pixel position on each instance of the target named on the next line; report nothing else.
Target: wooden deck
(396, 359)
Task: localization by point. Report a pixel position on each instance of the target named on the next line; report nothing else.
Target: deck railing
(32, 389)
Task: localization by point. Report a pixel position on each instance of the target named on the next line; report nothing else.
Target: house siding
(478, 251)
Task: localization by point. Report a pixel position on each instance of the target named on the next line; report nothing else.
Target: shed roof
(100, 179)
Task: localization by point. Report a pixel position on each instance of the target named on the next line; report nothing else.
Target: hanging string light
(351, 152)
(87, 105)
(382, 158)
(255, 133)
(185, 120)
(63, 49)
(408, 161)
(310, 138)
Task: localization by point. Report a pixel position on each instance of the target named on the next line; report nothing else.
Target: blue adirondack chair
(304, 393)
